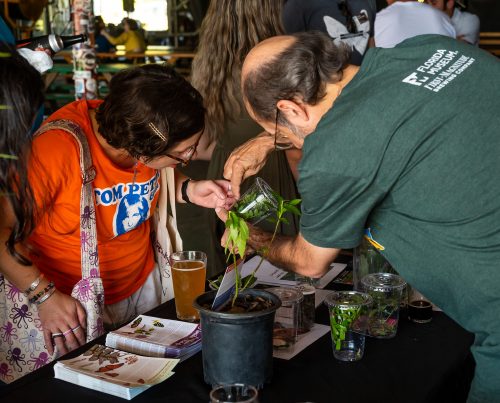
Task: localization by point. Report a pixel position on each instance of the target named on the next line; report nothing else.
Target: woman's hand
(63, 316)
(210, 193)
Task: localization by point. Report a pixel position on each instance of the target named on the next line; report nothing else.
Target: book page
(122, 368)
(269, 274)
(145, 333)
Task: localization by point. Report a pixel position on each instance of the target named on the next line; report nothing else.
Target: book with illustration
(155, 337)
(135, 357)
(115, 372)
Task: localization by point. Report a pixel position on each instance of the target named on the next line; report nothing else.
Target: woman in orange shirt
(151, 119)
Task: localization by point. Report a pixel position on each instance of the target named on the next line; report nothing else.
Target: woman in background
(131, 38)
(229, 30)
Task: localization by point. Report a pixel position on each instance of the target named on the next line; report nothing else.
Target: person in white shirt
(466, 24)
(406, 19)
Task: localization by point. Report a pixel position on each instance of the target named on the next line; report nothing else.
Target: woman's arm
(58, 313)
(119, 40)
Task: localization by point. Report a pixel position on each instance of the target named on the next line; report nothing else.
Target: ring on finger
(71, 330)
(54, 335)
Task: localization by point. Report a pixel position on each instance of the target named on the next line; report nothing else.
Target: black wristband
(184, 191)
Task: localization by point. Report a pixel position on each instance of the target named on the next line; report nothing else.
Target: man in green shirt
(407, 145)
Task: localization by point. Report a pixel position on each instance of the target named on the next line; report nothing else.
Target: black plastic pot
(237, 348)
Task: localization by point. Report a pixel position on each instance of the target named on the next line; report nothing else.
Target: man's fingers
(221, 213)
(239, 171)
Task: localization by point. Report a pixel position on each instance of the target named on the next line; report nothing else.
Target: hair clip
(157, 132)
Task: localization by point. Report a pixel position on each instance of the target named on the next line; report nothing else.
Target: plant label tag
(227, 285)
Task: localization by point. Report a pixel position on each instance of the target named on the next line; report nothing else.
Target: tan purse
(166, 238)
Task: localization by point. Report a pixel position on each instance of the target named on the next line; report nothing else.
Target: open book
(136, 357)
(155, 337)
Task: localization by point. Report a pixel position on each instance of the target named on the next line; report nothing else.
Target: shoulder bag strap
(88, 232)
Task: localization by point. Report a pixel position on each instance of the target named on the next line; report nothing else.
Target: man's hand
(211, 194)
(247, 160)
(63, 316)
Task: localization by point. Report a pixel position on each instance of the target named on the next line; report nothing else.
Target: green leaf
(292, 209)
(294, 202)
(284, 220)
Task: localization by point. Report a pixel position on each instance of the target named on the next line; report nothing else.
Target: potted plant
(237, 339)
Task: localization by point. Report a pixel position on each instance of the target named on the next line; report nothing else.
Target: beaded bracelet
(36, 297)
(33, 285)
(46, 296)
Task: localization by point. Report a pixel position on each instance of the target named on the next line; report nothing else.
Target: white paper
(271, 275)
(320, 296)
(304, 340)
(227, 284)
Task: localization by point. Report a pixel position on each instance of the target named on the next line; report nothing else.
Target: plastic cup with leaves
(348, 311)
(257, 203)
(386, 290)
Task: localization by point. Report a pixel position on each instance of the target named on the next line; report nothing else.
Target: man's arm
(293, 253)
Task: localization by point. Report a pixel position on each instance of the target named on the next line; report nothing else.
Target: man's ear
(293, 112)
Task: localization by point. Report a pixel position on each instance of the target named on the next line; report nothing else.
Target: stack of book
(135, 357)
(155, 337)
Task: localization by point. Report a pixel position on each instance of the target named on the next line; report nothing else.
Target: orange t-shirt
(123, 207)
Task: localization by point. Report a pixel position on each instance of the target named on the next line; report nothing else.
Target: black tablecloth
(423, 363)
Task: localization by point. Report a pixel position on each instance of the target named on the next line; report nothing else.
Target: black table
(423, 363)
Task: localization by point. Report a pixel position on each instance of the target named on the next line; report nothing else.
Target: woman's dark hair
(150, 94)
(21, 96)
(132, 24)
(300, 73)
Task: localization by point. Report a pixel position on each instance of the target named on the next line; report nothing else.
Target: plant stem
(252, 276)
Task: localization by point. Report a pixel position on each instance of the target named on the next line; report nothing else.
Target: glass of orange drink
(189, 270)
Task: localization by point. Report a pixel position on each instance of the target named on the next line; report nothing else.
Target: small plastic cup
(386, 289)
(348, 312)
(419, 307)
(257, 203)
(236, 392)
(287, 319)
(308, 309)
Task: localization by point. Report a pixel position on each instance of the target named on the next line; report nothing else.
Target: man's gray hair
(299, 73)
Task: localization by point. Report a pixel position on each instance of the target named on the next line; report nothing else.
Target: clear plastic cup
(348, 312)
(386, 289)
(288, 318)
(257, 203)
(237, 392)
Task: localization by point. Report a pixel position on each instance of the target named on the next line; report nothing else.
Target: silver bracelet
(46, 296)
(34, 284)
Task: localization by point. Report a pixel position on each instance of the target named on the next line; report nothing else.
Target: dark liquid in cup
(420, 311)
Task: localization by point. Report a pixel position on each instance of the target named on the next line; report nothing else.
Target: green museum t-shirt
(411, 149)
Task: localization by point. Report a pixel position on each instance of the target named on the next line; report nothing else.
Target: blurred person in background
(131, 38)
(467, 25)
(229, 30)
(404, 19)
(102, 44)
(346, 21)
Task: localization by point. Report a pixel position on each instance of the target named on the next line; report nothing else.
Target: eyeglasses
(189, 153)
(283, 143)
(346, 12)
